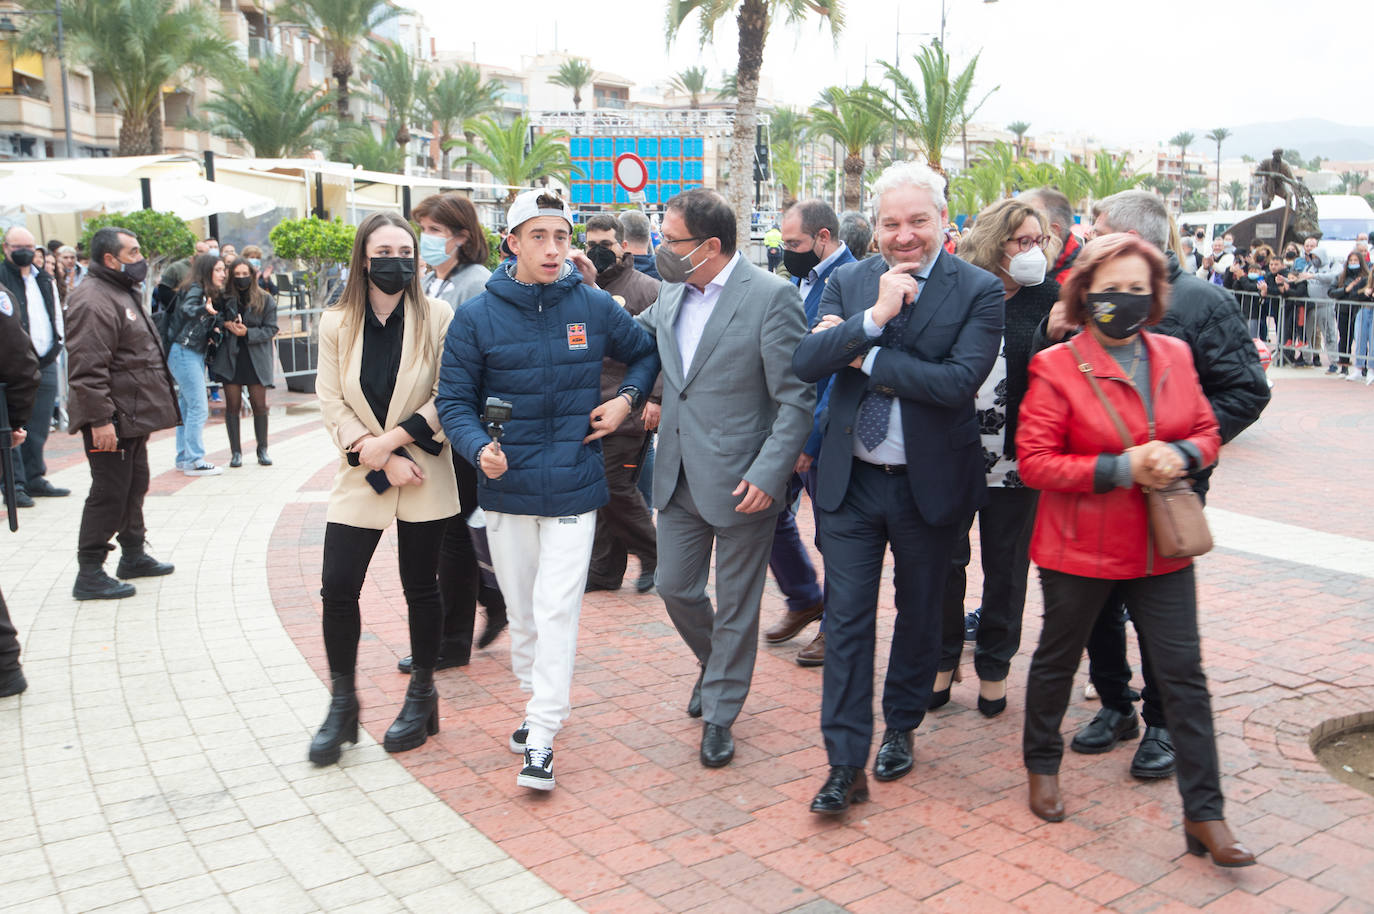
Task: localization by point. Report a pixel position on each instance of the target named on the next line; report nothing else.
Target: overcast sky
(1088, 66)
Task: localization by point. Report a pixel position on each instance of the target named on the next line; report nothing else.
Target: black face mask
(602, 257)
(243, 283)
(391, 274)
(21, 257)
(800, 263)
(1119, 314)
(135, 271)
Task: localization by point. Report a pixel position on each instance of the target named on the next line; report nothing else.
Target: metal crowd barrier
(1307, 330)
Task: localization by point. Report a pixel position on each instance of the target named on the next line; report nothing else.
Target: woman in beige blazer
(378, 374)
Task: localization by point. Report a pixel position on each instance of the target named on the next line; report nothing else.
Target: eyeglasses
(1025, 244)
(680, 240)
(792, 245)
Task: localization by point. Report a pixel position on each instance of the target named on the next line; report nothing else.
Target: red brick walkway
(637, 824)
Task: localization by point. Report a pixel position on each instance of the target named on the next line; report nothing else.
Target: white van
(1214, 222)
(1342, 217)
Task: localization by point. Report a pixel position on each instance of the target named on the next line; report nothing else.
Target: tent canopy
(56, 194)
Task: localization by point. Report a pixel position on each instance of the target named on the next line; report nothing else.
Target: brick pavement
(636, 823)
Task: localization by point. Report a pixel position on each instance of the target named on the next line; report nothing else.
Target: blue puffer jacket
(540, 348)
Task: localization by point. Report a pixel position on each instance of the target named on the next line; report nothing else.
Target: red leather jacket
(1062, 431)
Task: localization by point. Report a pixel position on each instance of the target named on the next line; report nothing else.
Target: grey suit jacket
(740, 412)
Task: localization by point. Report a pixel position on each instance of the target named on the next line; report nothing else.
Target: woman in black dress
(244, 358)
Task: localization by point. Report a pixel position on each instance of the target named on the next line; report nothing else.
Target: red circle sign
(630, 172)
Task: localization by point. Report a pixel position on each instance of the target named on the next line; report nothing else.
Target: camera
(495, 415)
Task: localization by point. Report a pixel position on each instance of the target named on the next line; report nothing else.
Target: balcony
(27, 112)
(259, 48)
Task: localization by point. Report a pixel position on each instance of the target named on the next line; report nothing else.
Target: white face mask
(1028, 267)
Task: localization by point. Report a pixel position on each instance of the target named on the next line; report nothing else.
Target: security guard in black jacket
(19, 373)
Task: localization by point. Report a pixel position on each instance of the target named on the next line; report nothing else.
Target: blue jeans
(188, 369)
(1361, 349)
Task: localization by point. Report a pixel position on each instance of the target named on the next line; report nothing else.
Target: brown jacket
(115, 364)
(634, 292)
(18, 363)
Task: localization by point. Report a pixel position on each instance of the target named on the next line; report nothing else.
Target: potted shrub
(320, 247)
(162, 237)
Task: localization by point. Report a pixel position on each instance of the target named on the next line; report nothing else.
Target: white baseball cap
(528, 206)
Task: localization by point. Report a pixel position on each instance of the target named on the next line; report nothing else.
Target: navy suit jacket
(812, 303)
(947, 350)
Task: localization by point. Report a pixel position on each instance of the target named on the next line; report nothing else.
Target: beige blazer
(347, 417)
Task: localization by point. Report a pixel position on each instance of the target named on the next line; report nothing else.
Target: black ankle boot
(419, 717)
(135, 563)
(260, 431)
(231, 426)
(92, 583)
(340, 725)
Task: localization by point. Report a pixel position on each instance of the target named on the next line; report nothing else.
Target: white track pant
(541, 565)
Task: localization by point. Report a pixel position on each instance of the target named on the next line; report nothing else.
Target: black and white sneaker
(538, 771)
(517, 739)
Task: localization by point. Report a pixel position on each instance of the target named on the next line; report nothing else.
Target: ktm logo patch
(577, 336)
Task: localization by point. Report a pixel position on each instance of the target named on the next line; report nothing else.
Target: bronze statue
(1278, 178)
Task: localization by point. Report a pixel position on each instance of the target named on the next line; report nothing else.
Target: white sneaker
(1369, 380)
(203, 469)
(517, 739)
(538, 771)
(1355, 375)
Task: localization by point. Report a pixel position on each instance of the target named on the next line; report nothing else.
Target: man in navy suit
(909, 337)
(811, 250)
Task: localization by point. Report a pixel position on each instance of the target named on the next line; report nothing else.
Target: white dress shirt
(696, 311)
(892, 449)
(810, 279)
(40, 327)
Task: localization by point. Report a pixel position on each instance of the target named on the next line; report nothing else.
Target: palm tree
(573, 74)
(138, 47)
(1217, 136)
(1019, 128)
(929, 114)
(729, 87)
(400, 84)
(1236, 191)
(787, 125)
(855, 126)
(1182, 141)
(1110, 175)
(690, 82)
(516, 159)
(455, 98)
(261, 108)
(752, 18)
(341, 26)
(1351, 181)
(367, 151)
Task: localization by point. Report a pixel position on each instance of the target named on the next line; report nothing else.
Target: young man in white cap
(535, 339)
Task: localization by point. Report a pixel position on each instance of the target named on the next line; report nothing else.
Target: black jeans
(1004, 532)
(9, 640)
(1164, 609)
(114, 506)
(624, 525)
(460, 577)
(347, 553)
(1110, 670)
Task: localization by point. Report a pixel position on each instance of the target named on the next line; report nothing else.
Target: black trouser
(1164, 609)
(460, 577)
(28, 463)
(114, 506)
(624, 525)
(1345, 327)
(9, 640)
(1004, 533)
(878, 512)
(1110, 670)
(347, 553)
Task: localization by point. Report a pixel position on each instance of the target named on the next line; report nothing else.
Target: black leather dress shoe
(22, 499)
(845, 784)
(41, 488)
(1154, 757)
(894, 756)
(496, 624)
(447, 660)
(1104, 731)
(645, 582)
(717, 746)
(694, 703)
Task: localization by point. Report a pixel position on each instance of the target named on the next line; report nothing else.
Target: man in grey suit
(909, 336)
(735, 417)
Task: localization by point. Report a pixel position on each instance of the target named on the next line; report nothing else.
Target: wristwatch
(636, 398)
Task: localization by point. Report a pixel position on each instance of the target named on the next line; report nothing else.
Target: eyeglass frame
(1025, 244)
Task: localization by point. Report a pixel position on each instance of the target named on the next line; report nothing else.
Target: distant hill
(1310, 136)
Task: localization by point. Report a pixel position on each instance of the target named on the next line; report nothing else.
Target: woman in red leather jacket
(1092, 531)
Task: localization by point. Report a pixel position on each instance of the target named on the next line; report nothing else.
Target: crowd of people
(1016, 373)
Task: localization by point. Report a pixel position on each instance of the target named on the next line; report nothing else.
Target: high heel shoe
(1214, 837)
(340, 725)
(419, 717)
(940, 697)
(991, 707)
